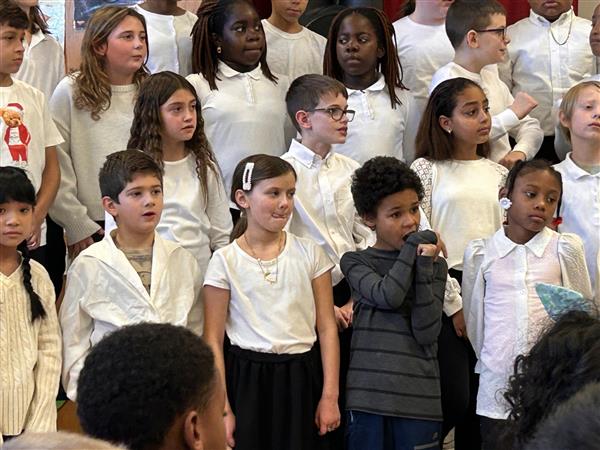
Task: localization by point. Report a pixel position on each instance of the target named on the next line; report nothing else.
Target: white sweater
(30, 355)
(87, 144)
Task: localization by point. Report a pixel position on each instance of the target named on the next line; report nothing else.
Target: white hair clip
(505, 203)
(247, 176)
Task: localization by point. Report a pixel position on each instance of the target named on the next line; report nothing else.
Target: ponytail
(37, 310)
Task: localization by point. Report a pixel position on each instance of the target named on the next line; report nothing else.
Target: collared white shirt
(43, 64)
(323, 205)
(503, 312)
(526, 132)
(245, 115)
(539, 65)
(294, 54)
(422, 50)
(169, 41)
(377, 129)
(580, 211)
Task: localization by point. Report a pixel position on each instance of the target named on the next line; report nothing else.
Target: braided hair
(524, 167)
(212, 15)
(389, 63)
(16, 187)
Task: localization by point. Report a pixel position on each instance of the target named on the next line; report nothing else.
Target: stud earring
(219, 49)
(448, 130)
(505, 203)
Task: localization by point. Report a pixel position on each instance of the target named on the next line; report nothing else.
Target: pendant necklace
(267, 274)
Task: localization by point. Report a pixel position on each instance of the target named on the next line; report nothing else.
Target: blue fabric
(376, 432)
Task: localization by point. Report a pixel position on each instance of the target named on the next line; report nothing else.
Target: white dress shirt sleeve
(473, 291)
(573, 267)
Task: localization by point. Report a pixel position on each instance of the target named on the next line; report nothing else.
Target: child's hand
(341, 318)
(523, 104)
(427, 250)
(229, 420)
(458, 320)
(511, 158)
(347, 311)
(327, 417)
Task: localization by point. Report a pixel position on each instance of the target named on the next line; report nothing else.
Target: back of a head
(306, 92)
(138, 380)
(575, 424)
(60, 440)
(12, 15)
(122, 167)
(466, 15)
(563, 361)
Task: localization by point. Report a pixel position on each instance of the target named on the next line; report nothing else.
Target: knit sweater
(87, 143)
(30, 355)
(398, 299)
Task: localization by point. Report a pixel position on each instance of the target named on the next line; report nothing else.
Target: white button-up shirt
(503, 312)
(546, 59)
(323, 206)
(580, 211)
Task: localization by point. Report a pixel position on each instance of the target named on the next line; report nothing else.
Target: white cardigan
(104, 293)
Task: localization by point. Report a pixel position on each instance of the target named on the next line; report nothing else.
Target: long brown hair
(92, 86)
(432, 142)
(146, 125)
(265, 167)
(389, 64)
(212, 15)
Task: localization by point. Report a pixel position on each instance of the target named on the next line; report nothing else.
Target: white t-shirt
(246, 115)
(377, 128)
(461, 201)
(526, 132)
(24, 144)
(422, 49)
(43, 64)
(264, 317)
(294, 54)
(169, 41)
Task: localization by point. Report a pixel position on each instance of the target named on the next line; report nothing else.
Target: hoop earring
(219, 49)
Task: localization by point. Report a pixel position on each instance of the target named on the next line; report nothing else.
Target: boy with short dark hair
(477, 32)
(152, 386)
(132, 275)
(28, 136)
(393, 388)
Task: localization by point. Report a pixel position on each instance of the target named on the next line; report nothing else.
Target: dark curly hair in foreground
(379, 177)
(139, 379)
(566, 358)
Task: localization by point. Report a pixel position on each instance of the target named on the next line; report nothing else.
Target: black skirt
(274, 399)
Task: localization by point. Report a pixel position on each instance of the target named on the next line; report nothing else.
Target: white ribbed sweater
(30, 355)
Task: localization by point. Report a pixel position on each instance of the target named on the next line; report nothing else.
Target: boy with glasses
(323, 206)
(477, 31)
(549, 52)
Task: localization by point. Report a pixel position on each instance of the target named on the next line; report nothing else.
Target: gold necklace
(568, 34)
(267, 274)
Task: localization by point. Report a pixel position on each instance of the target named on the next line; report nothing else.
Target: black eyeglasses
(337, 113)
(501, 32)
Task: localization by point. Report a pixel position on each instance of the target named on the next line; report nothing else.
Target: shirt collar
(379, 85)
(306, 156)
(573, 170)
(36, 38)
(563, 18)
(536, 244)
(228, 72)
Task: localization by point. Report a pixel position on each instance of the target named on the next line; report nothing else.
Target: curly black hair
(379, 177)
(565, 358)
(139, 379)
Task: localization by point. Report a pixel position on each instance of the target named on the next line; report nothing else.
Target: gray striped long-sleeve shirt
(398, 298)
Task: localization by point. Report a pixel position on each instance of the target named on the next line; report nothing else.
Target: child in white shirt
(503, 311)
(548, 53)
(132, 275)
(293, 50)
(580, 121)
(477, 33)
(169, 28)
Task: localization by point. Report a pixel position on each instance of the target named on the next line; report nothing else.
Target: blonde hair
(569, 100)
(59, 440)
(92, 86)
